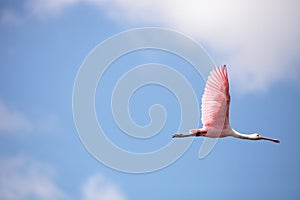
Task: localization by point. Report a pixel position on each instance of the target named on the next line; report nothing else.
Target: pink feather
(216, 99)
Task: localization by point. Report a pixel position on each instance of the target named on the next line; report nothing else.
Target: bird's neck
(237, 134)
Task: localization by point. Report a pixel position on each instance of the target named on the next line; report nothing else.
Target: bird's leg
(182, 135)
(194, 132)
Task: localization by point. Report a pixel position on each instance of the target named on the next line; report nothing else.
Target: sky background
(43, 44)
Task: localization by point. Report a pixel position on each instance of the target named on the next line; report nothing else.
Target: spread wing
(216, 99)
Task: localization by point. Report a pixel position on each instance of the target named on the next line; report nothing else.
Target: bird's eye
(257, 135)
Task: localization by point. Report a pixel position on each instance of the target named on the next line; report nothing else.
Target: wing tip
(223, 67)
(221, 70)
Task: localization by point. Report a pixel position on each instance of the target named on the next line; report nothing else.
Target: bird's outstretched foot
(178, 135)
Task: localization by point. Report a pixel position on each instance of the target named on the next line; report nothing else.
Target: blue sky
(44, 43)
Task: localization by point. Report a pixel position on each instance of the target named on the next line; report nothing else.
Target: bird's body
(215, 110)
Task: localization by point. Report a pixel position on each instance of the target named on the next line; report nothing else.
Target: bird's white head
(256, 136)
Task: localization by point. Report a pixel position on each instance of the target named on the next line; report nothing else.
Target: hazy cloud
(258, 39)
(12, 120)
(97, 187)
(9, 17)
(49, 8)
(23, 178)
(16, 122)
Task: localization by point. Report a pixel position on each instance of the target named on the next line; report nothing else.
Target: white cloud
(23, 178)
(48, 8)
(9, 17)
(12, 120)
(258, 39)
(97, 187)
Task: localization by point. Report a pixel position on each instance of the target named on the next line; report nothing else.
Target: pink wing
(216, 99)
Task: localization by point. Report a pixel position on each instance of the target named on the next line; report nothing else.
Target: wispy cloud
(12, 120)
(9, 17)
(97, 187)
(258, 39)
(24, 178)
(49, 8)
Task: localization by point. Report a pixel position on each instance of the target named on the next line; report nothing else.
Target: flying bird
(215, 110)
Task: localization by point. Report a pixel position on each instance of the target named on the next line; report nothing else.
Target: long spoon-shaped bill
(270, 139)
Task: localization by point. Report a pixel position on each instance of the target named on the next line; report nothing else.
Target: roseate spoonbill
(215, 110)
